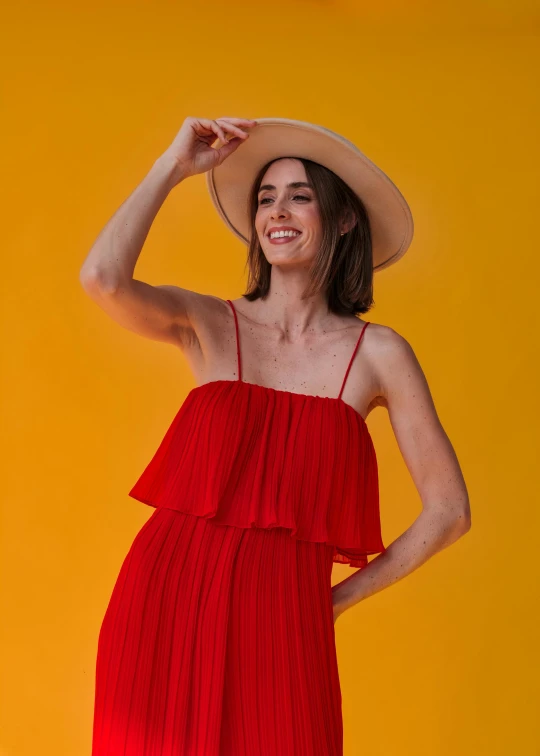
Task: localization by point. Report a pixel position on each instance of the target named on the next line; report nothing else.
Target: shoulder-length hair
(343, 266)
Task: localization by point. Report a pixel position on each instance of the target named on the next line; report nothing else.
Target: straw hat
(229, 184)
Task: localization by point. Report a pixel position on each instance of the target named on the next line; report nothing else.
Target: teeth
(279, 234)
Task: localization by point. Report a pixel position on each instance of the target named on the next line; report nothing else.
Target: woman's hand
(191, 149)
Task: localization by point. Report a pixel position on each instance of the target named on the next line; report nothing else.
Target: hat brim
(230, 183)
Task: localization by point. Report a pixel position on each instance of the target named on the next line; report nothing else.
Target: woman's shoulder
(383, 336)
(386, 347)
(390, 354)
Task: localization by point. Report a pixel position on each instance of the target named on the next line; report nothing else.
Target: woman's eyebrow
(292, 185)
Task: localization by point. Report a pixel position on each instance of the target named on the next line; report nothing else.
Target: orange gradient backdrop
(445, 100)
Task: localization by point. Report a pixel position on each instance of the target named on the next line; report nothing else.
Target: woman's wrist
(169, 169)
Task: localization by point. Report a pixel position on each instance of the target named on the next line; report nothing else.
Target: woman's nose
(278, 209)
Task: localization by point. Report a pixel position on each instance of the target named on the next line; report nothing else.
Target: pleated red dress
(219, 636)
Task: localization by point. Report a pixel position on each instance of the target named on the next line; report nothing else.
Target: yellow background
(445, 99)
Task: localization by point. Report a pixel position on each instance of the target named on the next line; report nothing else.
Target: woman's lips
(284, 239)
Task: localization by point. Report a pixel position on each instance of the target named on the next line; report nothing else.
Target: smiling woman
(331, 231)
(219, 638)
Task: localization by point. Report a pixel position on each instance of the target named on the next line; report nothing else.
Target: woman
(219, 633)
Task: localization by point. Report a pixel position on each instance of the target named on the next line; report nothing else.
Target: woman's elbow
(462, 522)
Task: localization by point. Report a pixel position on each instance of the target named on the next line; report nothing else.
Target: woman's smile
(284, 239)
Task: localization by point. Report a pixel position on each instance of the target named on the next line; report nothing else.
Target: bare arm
(433, 465)
(156, 312)
(116, 250)
(163, 313)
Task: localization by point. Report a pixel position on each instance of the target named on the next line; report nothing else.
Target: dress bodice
(252, 456)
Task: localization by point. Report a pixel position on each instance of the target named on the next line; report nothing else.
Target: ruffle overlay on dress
(251, 456)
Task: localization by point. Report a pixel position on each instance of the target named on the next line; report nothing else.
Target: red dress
(218, 638)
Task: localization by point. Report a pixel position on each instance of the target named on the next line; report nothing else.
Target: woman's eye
(296, 196)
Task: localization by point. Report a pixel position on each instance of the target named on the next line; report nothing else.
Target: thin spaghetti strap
(352, 358)
(237, 340)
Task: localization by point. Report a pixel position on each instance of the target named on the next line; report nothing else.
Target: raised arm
(162, 313)
(155, 312)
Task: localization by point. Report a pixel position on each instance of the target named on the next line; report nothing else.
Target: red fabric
(218, 641)
(218, 637)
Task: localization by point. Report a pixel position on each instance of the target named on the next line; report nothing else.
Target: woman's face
(288, 207)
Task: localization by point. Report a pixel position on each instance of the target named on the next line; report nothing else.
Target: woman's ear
(348, 222)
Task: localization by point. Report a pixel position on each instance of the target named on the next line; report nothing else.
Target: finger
(213, 128)
(228, 148)
(242, 123)
(216, 128)
(233, 129)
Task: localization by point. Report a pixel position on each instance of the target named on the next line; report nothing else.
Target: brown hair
(343, 267)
